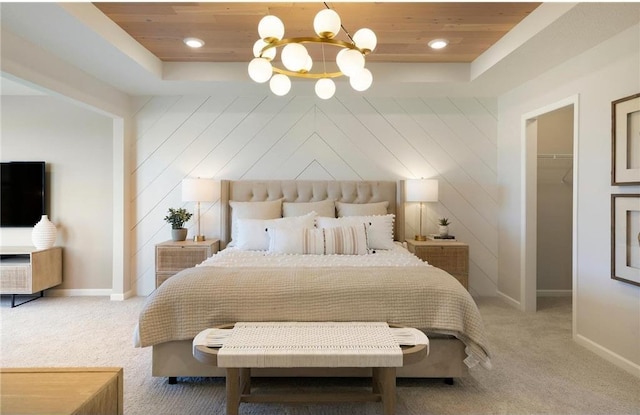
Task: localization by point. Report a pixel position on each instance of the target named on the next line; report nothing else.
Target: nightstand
(174, 256)
(452, 257)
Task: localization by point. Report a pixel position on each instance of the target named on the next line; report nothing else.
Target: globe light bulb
(350, 61)
(327, 23)
(325, 88)
(362, 80)
(365, 40)
(294, 56)
(270, 28)
(280, 84)
(260, 70)
(268, 54)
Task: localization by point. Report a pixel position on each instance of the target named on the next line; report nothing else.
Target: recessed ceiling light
(193, 42)
(438, 43)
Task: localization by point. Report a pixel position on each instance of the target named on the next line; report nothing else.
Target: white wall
(346, 138)
(607, 312)
(76, 144)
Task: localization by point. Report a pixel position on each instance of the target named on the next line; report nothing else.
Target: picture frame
(625, 139)
(625, 238)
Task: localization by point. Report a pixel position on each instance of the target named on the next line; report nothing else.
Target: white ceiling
(81, 35)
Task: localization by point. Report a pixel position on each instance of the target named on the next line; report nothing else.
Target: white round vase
(44, 233)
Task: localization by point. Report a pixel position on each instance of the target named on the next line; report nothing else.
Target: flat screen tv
(22, 194)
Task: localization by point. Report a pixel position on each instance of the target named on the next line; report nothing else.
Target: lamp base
(420, 238)
(198, 238)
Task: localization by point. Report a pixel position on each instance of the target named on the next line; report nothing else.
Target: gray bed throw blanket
(426, 298)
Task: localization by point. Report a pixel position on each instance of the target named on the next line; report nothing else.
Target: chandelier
(350, 58)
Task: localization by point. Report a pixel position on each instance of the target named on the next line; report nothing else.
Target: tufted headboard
(309, 191)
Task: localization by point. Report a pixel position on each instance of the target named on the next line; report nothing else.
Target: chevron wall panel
(352, 138)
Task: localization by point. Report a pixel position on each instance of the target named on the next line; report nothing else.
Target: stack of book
(436, 237)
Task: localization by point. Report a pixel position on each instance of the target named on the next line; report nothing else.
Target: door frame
(528, 225)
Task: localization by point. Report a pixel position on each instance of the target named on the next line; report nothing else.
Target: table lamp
(199, 190)
(421, 190)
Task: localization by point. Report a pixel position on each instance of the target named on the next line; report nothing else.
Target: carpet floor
(537, 368)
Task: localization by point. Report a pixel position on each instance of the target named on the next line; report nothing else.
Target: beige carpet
(538, 369)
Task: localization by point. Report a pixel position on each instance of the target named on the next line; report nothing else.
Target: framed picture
(625, 139)
(625, 238)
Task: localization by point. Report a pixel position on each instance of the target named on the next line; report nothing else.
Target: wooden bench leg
(233, 390)
(245, 381)
(384, 382)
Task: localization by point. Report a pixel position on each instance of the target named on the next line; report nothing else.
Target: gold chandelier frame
(309, 39)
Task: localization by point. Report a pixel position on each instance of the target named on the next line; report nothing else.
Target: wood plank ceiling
(229, 30)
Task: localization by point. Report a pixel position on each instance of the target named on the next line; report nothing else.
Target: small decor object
(44, 233)
(625, 238)
(625, 141)
(443, 228)
(177, 218)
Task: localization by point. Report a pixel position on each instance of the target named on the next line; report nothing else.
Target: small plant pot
(179, 234)
(443, 230)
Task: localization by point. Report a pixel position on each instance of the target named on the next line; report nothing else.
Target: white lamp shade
(365, 39)
(199, 190)
(327, 23)
(421, 190)
(270, 27)
(325, 88)
(362, 80)
(260, 70)
(280, 84)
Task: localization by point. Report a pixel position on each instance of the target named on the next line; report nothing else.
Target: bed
(241, 284)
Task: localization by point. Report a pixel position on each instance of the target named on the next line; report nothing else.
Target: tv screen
(22, 193)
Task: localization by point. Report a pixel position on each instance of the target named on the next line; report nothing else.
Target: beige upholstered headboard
(309, 191)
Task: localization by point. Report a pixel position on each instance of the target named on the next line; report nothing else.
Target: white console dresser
(27, 270)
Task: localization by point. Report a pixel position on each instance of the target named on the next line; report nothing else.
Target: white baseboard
(74, 292)
(554, 293)
(122, 297)
(512, 302)
(608, 355)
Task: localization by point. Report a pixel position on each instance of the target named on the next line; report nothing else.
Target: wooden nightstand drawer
(452, 257)
(174, 256)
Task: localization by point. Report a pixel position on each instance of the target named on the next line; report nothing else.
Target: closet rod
(555, 156)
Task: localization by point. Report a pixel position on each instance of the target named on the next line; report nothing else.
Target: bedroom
(600, 70)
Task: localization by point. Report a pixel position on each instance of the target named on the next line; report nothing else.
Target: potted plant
(177, 218)
(443, 229)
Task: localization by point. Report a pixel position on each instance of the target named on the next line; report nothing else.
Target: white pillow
(347, 240)
(296, 241)
(379, 228)
(253, 233)
(362, 209)
(325, 207)
(271, 209)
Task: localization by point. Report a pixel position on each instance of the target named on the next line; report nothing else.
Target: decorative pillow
(379, 228)
(347, 240)
(296, 241)
(253, 233)
(271, 209)
(362, 209)
(323, 208)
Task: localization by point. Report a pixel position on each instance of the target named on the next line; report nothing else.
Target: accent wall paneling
(301, 137)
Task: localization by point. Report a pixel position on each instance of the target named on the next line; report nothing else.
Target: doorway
(548, 249)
